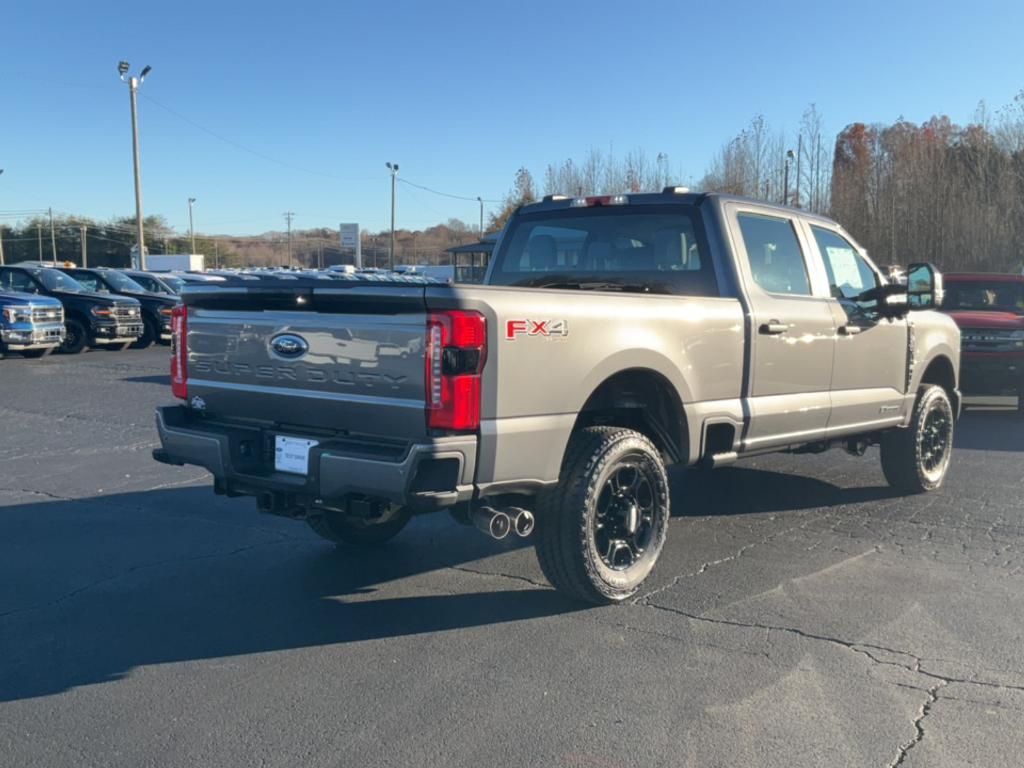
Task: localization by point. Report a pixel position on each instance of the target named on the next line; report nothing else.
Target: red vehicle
(989, 308)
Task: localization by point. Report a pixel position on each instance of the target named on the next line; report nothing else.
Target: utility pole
(393, 167)
(85, 250)
(481, 201)
(39, 239)
(53, 238)
(288, 218)
(1, 234)
(191, 226)
(216, 254)
(785, 176)
(799, 154)
(133, 87)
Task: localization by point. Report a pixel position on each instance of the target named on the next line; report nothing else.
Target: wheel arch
(939, 370)
(642, 399)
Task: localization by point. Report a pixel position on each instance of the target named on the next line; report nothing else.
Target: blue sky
(460, 94)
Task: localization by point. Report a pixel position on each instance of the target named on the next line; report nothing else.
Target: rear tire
(601, 530)
(916, 459)
(338, 528)
(75, 338)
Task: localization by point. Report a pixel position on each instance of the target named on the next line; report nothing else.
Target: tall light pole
(481, 201)
(393, 167)
(288, 217)
(191, 225)
(133, 87)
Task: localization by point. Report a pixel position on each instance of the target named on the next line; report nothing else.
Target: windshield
(173, 283)
(58, 281)
(985, 296)
(122, 282)
(649, 249)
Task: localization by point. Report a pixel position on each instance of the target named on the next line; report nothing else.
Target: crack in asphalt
(864, 650)
(500, 575)
(926, 707)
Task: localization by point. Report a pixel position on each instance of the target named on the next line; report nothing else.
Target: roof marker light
(599, 200)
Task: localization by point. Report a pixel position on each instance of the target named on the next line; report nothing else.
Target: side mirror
(924, 287)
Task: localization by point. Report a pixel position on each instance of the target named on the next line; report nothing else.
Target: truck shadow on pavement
(93, 588)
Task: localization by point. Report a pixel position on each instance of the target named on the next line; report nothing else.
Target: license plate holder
(291, 454)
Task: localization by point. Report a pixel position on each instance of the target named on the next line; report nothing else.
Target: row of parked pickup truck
(65, 309)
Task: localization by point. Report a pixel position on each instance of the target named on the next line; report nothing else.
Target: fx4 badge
(548, 329)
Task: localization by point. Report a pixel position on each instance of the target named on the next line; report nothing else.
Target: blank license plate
(291, 454)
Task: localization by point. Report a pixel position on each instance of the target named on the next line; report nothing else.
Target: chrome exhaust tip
(493, 522)
(523, 521)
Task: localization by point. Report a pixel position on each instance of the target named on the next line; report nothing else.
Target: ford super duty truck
(613, 336)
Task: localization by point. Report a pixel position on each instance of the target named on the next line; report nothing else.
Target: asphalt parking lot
(800, 615)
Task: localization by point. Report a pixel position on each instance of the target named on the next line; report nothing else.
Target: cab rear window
(655, 249)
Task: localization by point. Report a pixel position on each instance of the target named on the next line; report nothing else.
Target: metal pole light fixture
(393, 167)
(191, 226)
(133, 87)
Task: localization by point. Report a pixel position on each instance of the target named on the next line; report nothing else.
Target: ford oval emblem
(289, 346)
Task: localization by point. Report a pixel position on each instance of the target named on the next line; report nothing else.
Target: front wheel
(148, 337)
(75, 338)
(601, 530)
(915, 459)
(339, 528)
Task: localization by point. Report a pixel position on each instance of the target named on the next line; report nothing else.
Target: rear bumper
(991, 374)
(425, 475)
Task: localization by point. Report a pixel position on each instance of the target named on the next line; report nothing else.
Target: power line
(446, 194)
(249, 150)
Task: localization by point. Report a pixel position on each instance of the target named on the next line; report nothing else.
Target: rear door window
(776, 260)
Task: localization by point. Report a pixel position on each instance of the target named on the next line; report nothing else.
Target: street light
(393, 167)
(133, 87)
(191, 227)
(481, 201)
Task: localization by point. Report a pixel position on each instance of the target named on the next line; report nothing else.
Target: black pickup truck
(156, 309)
(93, 319)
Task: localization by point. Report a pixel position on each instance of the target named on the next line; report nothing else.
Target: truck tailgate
(310, 358)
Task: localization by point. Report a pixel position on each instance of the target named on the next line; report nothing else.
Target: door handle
(849, 330)
(773, 328)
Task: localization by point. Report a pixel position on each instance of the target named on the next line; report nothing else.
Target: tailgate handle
(773, 328)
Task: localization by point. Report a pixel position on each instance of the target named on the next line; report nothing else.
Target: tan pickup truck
(613, 336)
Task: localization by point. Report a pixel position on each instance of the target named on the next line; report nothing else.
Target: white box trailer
(177, 262)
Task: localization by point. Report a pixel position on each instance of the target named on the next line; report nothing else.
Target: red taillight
(455, 355)
(179, 351)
